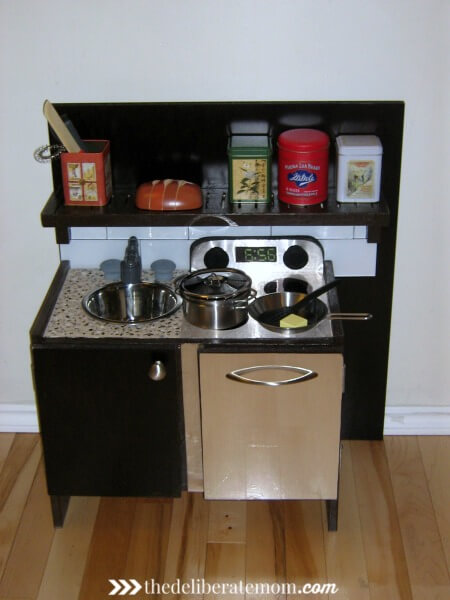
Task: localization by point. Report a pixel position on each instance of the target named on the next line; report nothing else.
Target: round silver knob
(157, 371)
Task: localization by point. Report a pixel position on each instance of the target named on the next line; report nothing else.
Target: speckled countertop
(69, 319)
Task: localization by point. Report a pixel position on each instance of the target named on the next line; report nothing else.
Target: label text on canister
(302, 177)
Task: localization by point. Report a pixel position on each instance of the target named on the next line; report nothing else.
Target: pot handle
(349, 316)
(177, 281)
(244, 302)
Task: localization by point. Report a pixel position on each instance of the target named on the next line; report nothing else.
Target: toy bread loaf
(168, 194)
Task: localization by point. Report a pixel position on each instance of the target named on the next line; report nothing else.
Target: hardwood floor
(393, 540)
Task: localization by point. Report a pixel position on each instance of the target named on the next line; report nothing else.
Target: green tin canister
(249, 169)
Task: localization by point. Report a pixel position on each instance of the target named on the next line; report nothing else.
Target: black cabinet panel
(107, 429)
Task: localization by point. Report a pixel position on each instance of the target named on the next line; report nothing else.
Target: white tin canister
(358, 168)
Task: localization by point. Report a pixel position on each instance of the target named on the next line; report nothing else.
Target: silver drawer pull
(306, 374)
(157, 371)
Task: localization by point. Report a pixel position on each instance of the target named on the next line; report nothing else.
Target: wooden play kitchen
(241, 413)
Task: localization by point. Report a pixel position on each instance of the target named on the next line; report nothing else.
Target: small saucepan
(216, 299)
(315, 312)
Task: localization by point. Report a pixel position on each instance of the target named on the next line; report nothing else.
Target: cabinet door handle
(157, 371)
(238, 375)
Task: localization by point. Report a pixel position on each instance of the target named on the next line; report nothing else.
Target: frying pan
(315, 312)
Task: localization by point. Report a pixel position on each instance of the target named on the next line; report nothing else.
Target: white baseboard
(399, 420)
(18, 418)
(417, 420)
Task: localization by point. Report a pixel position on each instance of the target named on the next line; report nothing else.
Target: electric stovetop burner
(275, 264)
(287, 284)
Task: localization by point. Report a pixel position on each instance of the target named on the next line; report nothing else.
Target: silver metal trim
(258, 271)
(236, 375)
(196, 220)
(48, 152)
(349, 316)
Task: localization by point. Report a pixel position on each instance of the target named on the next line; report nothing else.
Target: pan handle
(349, 316)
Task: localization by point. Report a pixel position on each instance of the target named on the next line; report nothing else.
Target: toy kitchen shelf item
(303, 166)
(249, 169)
(85, 164)
(87, 175)
(358, 168)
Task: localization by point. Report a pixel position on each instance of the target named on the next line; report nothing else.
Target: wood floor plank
(16, 479)
(383, 547)
(265, 547)
(394, 515)
(227, 521)
(149, 540)
(225, 564)
(26, 563)
(421, 539)
(67, 560)
(108, 551)
(6, 441)
(435, 451)
(20, 451)
(344, 550)
(186, 553)
(305, 555)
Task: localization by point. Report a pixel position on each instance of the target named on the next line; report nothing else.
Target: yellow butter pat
(293, 321)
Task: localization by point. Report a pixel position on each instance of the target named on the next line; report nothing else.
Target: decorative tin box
(249, 169)
(358, 168)
(87, 175)
(303, 166)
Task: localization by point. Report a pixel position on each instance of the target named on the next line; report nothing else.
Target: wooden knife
(60, 128)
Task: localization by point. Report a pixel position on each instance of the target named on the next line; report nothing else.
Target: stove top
(274, 264)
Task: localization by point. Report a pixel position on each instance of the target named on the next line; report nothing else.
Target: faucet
(131, 265)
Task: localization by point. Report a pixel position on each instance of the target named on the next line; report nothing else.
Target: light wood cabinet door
(271, 441)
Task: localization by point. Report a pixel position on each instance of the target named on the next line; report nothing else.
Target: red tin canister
(303, 166)
(87, 175)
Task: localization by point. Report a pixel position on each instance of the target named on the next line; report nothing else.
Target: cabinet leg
(332, 514)
(59, 509)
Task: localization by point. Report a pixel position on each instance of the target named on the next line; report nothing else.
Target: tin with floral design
(249, 169)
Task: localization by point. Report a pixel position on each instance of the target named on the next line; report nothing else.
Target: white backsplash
(346, 246)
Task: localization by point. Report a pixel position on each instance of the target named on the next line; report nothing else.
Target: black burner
(271, 287)
(293, 284)
(288, 284)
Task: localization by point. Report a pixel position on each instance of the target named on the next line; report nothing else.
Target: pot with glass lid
(216, 299)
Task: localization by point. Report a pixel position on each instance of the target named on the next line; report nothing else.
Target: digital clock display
(256, 254)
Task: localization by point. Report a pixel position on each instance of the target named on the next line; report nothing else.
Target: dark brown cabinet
(107, 428)
(188, 140)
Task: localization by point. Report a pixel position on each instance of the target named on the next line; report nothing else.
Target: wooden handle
(60, 128)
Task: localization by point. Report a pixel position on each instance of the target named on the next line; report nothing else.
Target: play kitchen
(226, 376)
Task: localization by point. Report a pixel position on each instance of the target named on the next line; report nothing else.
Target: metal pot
(216, 299)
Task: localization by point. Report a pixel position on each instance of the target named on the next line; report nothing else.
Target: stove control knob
(295, 257)
(216, 258)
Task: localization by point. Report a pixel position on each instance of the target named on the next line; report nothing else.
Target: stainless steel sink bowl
(131, 303)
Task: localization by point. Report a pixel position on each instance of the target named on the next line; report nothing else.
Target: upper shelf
(188, 140)
(121, 211)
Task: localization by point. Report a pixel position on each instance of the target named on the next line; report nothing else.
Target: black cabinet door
(107, 428)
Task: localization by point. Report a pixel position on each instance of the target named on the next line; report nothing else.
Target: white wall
(152, 50)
